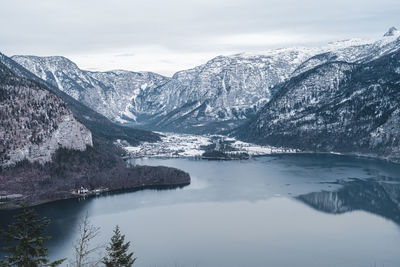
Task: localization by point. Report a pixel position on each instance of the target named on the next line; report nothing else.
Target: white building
(83, 190)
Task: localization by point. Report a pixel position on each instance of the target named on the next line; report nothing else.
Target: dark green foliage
(26, 239)
(214, 154)
(117, 251)
(220, 155)
(222, 149)
(209, 147)
(97, 167)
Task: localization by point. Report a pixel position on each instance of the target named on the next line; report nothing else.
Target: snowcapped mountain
(337, 106)
(109, 93)
(100, 126)
(35, 122)
(227, 88)
(393, 31)
(214, 97)
(354, 50)
(36, 125)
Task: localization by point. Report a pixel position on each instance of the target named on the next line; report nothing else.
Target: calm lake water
(286, 210)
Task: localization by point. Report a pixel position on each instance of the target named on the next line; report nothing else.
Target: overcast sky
(166, 36)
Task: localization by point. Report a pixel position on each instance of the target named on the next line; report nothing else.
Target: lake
(279, 210)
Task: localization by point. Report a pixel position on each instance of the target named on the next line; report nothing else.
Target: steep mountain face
(225, 89)
(337, 106)
(354, 51)
(214, 97)
(228, 89)
(34, 122)
(100, 126)
(37, 126)
(112, 94)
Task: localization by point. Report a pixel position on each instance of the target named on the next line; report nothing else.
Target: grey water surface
(281, 210)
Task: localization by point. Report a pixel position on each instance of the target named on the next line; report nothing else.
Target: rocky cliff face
(218, 95)
(115, 94)
(213, 97)
(34, 122)
(100, 126)
(337, 106)
(226, 89)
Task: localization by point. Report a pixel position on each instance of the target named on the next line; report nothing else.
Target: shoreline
(165, 186)
(356, 155)
(176, 145)
(28, 184)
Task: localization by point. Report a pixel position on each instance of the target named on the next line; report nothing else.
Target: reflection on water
(378, 197)
(248, 213)
(65, 217)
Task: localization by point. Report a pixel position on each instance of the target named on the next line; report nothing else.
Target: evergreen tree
(117, 251)
(26, 240)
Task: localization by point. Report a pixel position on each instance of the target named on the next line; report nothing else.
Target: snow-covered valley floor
(185, 145)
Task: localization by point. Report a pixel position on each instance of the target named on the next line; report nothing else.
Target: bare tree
(82, 247)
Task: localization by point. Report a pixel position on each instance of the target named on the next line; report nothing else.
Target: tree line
(25, 239)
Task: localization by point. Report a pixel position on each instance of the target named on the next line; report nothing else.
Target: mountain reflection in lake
(378, 197)
(284, 210)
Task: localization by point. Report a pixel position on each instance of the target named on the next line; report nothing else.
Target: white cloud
(159, 59)
(267, 39)
(166, 36)
(141, 58)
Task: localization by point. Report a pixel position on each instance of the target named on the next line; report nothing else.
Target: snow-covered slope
(109, 93)
(228, 90)
(354, 50)
(213, 97)
(99, 125)
(35, 122)
(336, 106)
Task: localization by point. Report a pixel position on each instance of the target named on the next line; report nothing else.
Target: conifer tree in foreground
(117, 251)
(26, 239)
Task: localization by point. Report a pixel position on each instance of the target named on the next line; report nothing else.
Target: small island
(221, 149)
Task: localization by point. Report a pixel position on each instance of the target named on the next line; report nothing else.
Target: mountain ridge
(228, 90)
(99, 125)
(46, 153)
(335, 107)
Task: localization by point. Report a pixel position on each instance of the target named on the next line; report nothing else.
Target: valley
(212, 98)
(175, 145)
(340, 98)
(200, 133)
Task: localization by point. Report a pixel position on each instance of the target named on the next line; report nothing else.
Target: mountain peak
(391, 32)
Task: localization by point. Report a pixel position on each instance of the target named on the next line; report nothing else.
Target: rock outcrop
(34, 122)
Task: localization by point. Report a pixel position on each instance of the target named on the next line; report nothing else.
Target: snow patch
(175, 145)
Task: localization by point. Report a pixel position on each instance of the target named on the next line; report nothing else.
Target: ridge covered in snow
(336, 106)
(214, 97)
